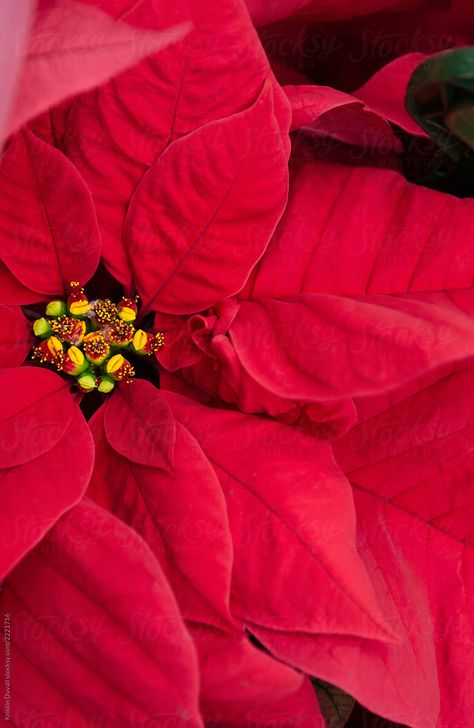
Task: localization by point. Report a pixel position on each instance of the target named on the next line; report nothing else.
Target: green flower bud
(87, 382)
(56, 308)
(106, 385)
(42, 328)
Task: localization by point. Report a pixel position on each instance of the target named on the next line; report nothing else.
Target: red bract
(295, 500)
(163, 102)
(58, 227)
(334, 114)
(46, 458)
(181, 512)
(73, 47)
(88, 594)
(14, 37)
(206, 255)
(15, 336)
(411, 468)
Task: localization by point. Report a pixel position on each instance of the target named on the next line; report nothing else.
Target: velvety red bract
(411, 468)
(74, 47)
(14, 292)
(242, 685)
(388, 236)
(89, 595)
(300, 708)
(427, 249)
(386, 91)
(163, 505)
(172, 236)
(139, 425)
(47, 216)
(253, 459)
(113, 149)
(15, 336)
(181, 513)
(16, 20)
(327, 347)
(36, 393)
(277, 356)
(362, 118)
(288, 491)
(326, 112)
(46, 458)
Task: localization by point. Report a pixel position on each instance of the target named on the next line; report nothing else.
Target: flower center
(88, 340)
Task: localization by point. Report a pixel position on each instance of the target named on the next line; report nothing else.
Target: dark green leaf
(336, 705)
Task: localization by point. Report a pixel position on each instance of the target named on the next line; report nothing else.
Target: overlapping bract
(329, 518)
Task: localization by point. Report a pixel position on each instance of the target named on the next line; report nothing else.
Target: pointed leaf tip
(139, 424)
(74, 47)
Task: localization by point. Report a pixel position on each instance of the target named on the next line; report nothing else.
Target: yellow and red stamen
(77, 301)
(127, 309)
(74, 362)
(119, 333)
(103, 312)
(96, 348)
(98, 333)
(119, 368)
(69, 329)
(144, 343)
(50, 351)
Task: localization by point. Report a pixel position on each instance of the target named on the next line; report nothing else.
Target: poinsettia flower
(286, 341)
(398, 246)
(343, 310)
(403, 251)
(49, 218)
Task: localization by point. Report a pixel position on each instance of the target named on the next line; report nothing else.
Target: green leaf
(440, 97)
(336, 705)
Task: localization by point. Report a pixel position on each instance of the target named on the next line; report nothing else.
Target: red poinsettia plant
(236, 368)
